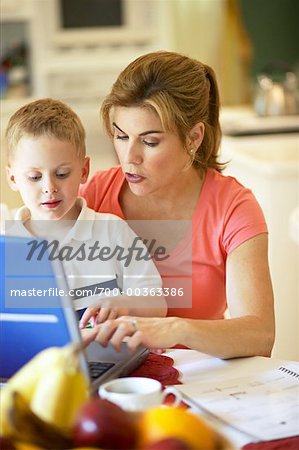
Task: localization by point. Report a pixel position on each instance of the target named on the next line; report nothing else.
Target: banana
(6, 404)
(27, 427)
(26, 379)
(60, 393)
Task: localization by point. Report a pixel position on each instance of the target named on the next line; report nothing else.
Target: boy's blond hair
(47, 117)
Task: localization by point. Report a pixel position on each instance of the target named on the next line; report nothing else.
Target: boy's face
(47, 172)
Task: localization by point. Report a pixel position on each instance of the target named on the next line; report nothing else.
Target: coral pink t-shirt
(227, 214)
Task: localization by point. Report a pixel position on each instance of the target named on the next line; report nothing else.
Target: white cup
(137, 393)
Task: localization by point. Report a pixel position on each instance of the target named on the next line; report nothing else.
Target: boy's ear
(11, 179)
(85, 170)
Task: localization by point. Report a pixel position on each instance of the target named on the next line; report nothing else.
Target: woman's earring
(191, 154)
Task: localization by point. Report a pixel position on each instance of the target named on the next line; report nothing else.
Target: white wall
(269, 166)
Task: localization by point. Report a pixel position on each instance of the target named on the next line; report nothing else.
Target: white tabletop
(194, 366)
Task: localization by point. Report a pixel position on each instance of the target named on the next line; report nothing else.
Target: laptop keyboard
(98, 368)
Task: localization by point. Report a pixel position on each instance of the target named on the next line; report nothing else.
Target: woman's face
(152, 160)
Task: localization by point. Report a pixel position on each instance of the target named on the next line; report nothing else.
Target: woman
(163, 116)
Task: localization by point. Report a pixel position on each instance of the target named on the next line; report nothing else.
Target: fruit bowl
(103, 425)
(65, 416)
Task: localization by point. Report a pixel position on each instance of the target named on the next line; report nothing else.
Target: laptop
(36, 312)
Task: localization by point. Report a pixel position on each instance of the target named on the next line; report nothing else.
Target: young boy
(47, 162)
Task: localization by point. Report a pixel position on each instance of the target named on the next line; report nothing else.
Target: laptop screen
(33, 314)
(36, 312)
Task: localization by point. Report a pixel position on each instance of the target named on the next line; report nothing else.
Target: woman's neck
(177, 203)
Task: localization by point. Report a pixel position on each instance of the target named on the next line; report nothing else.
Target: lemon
(26, 446)
(160, 423)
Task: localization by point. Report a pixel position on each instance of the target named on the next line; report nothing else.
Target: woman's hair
(45, 117)
(183, 92)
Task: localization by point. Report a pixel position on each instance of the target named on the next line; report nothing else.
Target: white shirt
(97, 255)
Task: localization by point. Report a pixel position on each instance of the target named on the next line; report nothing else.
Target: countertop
(272, 154)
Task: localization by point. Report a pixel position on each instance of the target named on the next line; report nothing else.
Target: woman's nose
(134, 157)
(134, 154)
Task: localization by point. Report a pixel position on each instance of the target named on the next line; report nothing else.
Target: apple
(100, 423)
(168, 444)
(6, 444)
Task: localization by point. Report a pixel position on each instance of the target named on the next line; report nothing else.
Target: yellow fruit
(25, 380)
(59, 394)
(26, 428)
(26, 446)
(61, 386)
(6, 401)
(160, 423)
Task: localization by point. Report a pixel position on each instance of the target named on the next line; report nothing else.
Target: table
(183, 365)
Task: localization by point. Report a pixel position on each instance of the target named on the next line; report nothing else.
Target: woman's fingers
(113, 314)
(115, 331)
(135, 331)
(100, 312)
(105, 332)
(103, 315)
(135, 340)
(158, 351)
(124, 329)
(87, 315)
(88, 335)
(107, 314)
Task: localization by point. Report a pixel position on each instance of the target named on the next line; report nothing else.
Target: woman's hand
(137, 330)
(112, 307)
(96, 315)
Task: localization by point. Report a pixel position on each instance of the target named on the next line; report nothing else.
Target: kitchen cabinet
(79, 74)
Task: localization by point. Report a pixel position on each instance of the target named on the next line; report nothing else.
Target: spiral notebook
(264, 406)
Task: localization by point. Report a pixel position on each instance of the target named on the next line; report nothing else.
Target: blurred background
(74, 49)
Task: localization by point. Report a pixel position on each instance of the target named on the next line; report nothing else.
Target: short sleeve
(244, 220)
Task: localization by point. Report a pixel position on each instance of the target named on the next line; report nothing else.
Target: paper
(265, 405)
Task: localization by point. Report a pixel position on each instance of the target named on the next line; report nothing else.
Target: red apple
(6, 444)
(168, 444)
(100, 423)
